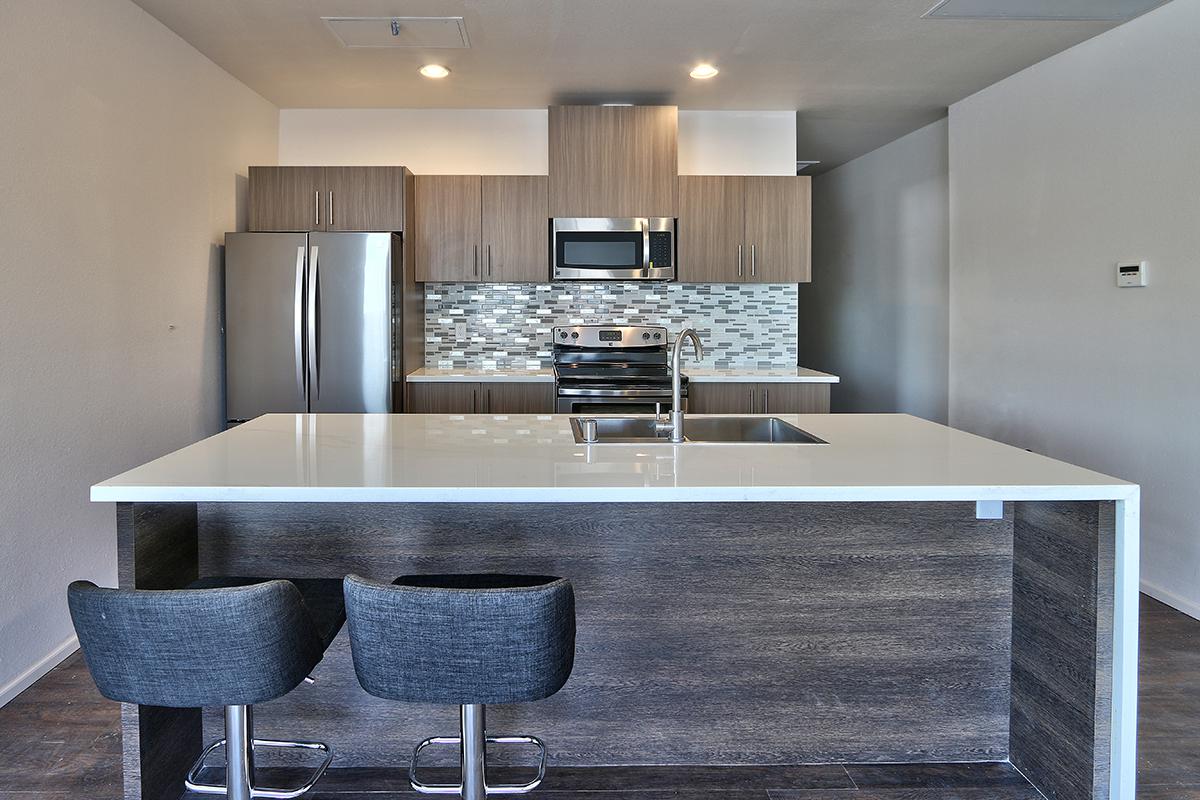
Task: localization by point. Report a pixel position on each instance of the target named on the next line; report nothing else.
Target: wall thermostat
(1131, 273)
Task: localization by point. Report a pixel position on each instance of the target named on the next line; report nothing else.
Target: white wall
(514, 141)
(123, 152)
(1056, 174)
(877, 310)
(737, 142)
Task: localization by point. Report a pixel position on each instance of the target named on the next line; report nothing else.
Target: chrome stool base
(473, 743)
(240, 744)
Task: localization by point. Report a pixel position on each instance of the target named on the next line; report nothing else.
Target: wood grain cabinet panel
(722, 398)
(517, 398)
(613, 161)
(364, 198)
(286, 198)
(448, 228)
(758, 398)
(778, 211)
(793, 398)
(711, 229)
(515, 228)
(443, 398)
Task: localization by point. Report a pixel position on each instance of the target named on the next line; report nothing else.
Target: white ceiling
(858, 72)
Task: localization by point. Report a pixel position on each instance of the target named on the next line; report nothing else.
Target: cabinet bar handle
(489, 401)
(750, 397)
(753, 261)
(739, 261)
(489, 255)
(766, 400)
(475, 269)
(317, 209)
(473, 401)
(331, 209)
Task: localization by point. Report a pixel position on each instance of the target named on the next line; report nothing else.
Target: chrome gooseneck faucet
(675, 423)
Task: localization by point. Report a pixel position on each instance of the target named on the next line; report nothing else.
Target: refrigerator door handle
(314, 301)
(298, 329)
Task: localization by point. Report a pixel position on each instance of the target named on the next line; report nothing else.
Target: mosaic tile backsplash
(507, 325)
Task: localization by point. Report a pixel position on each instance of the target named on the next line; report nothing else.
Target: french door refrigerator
(308, 322)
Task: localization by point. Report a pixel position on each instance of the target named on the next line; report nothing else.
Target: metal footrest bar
(193, 785)
(457, 788)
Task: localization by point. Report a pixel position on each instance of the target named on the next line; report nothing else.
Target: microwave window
(577, 253)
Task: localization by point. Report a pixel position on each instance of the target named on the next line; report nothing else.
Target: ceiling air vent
(1103, 10)
(426, 32)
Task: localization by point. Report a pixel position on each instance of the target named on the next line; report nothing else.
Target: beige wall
(1057, 173)
(122, 152)
(514, 141)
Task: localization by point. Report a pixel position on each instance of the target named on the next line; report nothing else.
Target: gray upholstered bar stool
(465, 640)
(229, 642)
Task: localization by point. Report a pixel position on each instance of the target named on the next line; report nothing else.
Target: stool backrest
(462, 639)
(190, 648)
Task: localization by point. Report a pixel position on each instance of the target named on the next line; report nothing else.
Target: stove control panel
(613, 336)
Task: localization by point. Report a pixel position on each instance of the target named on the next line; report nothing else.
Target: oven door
(593, 248)
(613, 401)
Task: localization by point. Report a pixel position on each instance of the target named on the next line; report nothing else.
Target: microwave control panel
(662, 249)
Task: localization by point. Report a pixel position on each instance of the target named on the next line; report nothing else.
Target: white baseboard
(26, 679)
(1189, 607)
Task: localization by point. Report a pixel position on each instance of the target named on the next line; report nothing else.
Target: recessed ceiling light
(704, 71)
(434, 71)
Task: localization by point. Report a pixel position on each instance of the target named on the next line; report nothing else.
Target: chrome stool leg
(472, 742)
(239, 744)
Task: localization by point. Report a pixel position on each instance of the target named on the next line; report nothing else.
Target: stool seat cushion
(237, 644)
(462, 639)
(322, 596)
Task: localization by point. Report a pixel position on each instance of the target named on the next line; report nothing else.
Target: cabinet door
(287, 199)
(794, 398)
(448, 227)
(610, 161)
(364, 199)
(443, 398)
(515, 228)
(711, 226)
(777, 229)
(518, 398)
(722, 398)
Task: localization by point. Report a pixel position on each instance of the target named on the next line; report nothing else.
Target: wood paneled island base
(709, 633)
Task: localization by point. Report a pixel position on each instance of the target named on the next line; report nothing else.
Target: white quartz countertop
(695, 374)
(534, 458)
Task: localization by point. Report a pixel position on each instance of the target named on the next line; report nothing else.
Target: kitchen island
(905, 592)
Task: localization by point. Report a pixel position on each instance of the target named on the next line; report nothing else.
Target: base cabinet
(758, 398)
(481, 398)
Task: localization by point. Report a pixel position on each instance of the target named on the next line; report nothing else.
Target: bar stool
(465, 640)
(221, 641)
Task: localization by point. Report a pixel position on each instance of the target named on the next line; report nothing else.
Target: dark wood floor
(59, 739)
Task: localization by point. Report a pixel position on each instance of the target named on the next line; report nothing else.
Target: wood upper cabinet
(711, 228)
(364, 198)
(327, 198)
(778, 223)
(751, 229)
(286, 198)
(758, 398)
(515, 237)
(613, 161)
(448, 227)
(491, 228)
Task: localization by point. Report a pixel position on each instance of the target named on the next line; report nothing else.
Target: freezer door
(264, 319)
(350, 318)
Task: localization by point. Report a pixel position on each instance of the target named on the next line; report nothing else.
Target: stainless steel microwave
(612, 248)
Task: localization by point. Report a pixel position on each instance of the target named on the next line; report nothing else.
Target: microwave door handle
(645, 223)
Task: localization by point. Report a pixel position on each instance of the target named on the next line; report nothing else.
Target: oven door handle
(564, 391)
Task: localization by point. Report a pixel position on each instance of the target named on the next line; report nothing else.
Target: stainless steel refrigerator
(308, 322)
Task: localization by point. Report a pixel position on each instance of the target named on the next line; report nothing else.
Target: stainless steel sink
(696, 430)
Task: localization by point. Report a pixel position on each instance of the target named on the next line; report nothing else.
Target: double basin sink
(711, 430)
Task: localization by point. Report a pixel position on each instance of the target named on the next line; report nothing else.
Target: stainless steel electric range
(612, 369)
